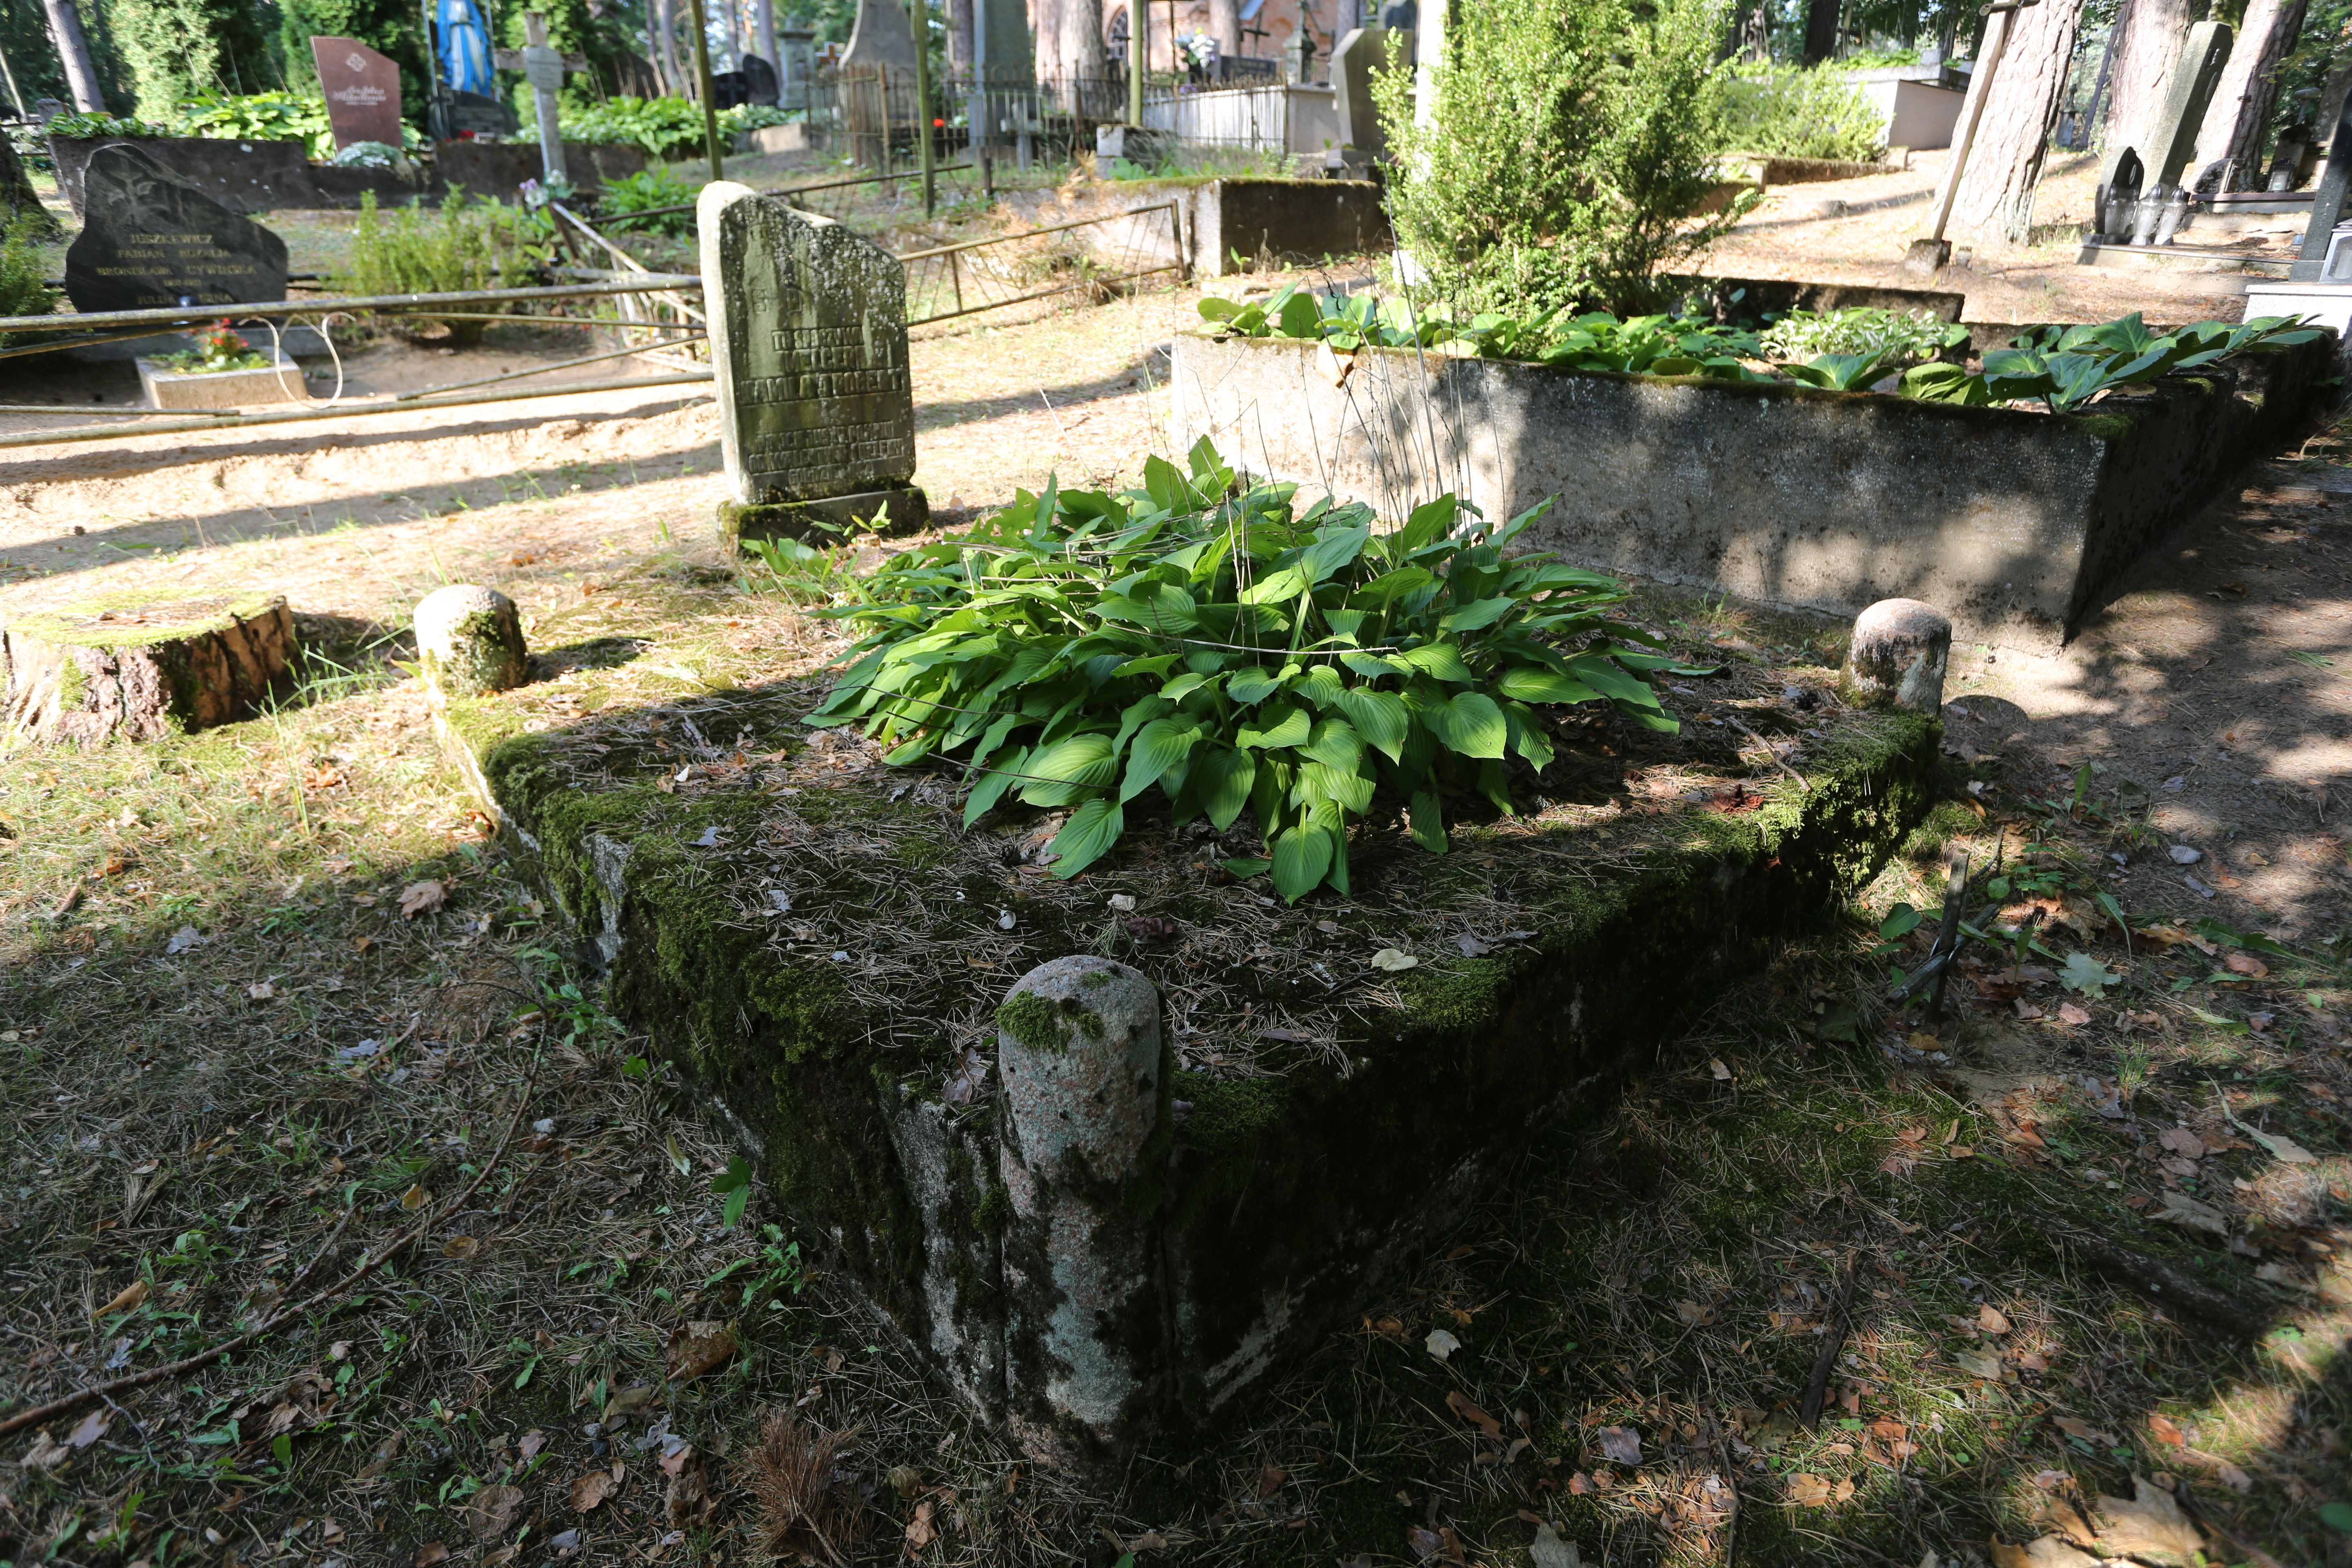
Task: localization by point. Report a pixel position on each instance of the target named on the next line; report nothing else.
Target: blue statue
(465, 46)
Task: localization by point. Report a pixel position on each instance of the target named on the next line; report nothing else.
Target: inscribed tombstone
(758, 80)
(2326, 202)
(2172, 140)
(149, 240)
(882, 39)
(362, 91)
(808, 336)
(1359, 56)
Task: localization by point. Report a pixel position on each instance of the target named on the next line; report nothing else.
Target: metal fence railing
(1097, 254)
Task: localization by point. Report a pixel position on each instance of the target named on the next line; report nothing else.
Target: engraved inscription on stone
(809, 340)
(150, 239)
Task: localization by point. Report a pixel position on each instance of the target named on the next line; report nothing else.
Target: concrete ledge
(818, 945)
(278, 383)
(2016, 524)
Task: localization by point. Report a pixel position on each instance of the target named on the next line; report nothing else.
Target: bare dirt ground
(232, 1010)
(1789, 236)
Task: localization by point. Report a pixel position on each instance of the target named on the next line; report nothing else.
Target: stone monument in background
(1357, 58)
(149, 240)
(363, 90)
(808, 340)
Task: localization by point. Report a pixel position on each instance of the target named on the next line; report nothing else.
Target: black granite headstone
(760, 77)
(729, 90)
(481, 115)
(2327, 202)
(149, 240)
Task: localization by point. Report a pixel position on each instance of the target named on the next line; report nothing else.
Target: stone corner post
(1898, 656)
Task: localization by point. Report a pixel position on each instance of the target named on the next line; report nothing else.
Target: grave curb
(1278, 1201)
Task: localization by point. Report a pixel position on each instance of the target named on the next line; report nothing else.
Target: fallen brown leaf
(920, 1530)
(423, 897)
(2046, 1551)
(1989, 1318)
(2150, 1523)
(1459, 1403)
(697, 1348)
(130, 1296)
(431, 1552)
(492, 1510)
(1809, 1490)
(591, 1490)
(1270, 1479)
(1621, 1444)
(2247, 964)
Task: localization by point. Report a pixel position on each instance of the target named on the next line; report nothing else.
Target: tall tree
(2230, 141)
(1225, 26)
(661, 22)
(960, 39)
(1083, 56)
(73, 53)
(2150, 35)
(1995, 200)
(1821, 30)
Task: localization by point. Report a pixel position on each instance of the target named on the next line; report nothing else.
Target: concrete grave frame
(768, 968)
(2017, 524)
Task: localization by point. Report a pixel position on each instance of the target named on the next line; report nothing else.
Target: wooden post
(1928, 253)
(702, 73)
(1138, 18)
(922, 29)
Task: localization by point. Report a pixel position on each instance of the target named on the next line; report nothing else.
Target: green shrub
(91, 127)
(1787, 111)
(645, 189)
(668, 129)
(260, 117)
(1570, 154)
(1080, 648)
(24, 274)
(465, 245)
(1900, 336)
(2058, 368)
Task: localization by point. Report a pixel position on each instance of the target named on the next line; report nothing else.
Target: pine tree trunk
(662, 36)
(17, 194)
(764, 31)
(1995, 200)
(2153, 32)
(1225, 26)
(73, 52)
(1082, 46)
(1821, 30)
(2229, 142)
(960, 39)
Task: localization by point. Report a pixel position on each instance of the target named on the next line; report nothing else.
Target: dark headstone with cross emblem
(808, 338)
(151, 240)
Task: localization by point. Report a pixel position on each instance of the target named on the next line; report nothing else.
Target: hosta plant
(1204, 639)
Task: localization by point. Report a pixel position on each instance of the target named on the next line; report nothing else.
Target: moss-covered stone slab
(815, 942)
(141, 668)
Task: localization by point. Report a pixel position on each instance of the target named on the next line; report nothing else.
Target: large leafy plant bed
(819, 941)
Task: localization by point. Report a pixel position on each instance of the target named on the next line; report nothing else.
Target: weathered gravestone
(1354, 61)
(760, 80)
(149, 240)
(2171, 140)
(362, 90)
(808, 336)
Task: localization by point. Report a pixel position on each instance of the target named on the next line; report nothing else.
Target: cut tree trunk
(2152, 34)
(1225, 26)
(73, 53)
(2229, 142)
(140, 669)
(1995, 199)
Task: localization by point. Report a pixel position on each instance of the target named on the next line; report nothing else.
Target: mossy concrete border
(1274, 1203)
(2018, 525)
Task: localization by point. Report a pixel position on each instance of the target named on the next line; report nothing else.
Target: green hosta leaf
(1301, 856)
(1470, 723)
(1345, 789)
(1475, 616)
(1379, 717)
(1533, 683)
(1388, 587)
(1069, 770)
(1428, 821)
(1244, 866)
(1429, 522)
(1285, 724)
(2086, 975)
(1214, 309)
(1442, 659)
(1945, 383)
(1088, 835)
(1159, 746)
(989, 787)
(1220, 782)
(1336, 743)
(1251, 687)
(1321, 685)
(1373, 666)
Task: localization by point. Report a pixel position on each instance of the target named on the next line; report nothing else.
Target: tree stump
(469, 641)
(141, 668)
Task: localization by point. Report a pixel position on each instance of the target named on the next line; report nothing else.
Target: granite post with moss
(1084, 1080)
(137, 668)
(469, 642)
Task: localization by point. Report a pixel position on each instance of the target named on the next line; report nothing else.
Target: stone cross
(808, 339)
(542, 66)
